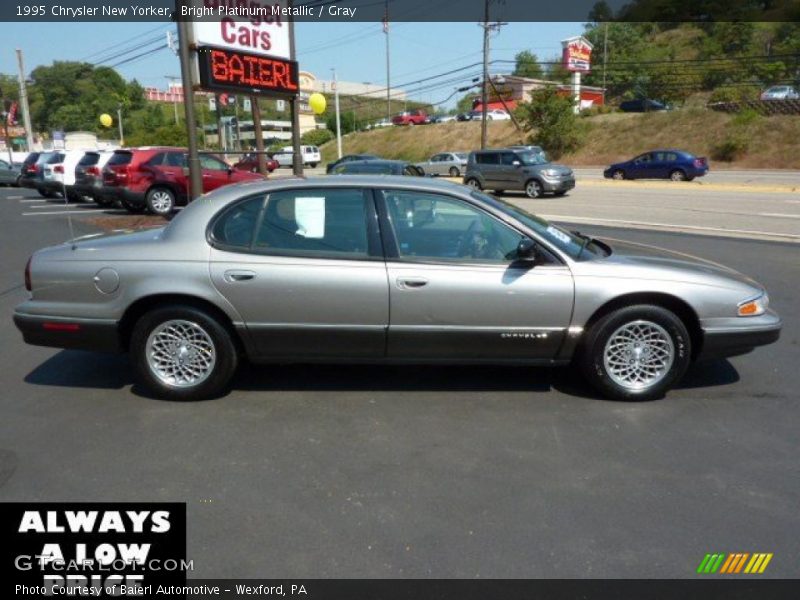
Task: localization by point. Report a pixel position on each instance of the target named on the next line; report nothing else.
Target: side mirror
(527, 250)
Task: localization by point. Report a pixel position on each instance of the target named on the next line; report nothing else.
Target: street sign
(280, 105)
(577, 54)
(246, 105)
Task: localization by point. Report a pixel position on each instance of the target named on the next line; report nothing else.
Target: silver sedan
(385, 269)
(450, 164)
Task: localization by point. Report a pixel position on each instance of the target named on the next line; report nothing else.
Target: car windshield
(573, 245)
(532, 158)
(461, 155)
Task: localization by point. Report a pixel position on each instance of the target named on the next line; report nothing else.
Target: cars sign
(577, 54)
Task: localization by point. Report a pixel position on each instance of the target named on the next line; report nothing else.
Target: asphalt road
(421, 472)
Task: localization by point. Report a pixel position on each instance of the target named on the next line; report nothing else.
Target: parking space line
(15, 197)
(34, 200)
(65, 212)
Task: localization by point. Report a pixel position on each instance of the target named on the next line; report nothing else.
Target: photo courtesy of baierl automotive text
(400, 299)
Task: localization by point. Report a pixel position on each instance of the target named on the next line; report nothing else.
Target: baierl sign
(252, 26)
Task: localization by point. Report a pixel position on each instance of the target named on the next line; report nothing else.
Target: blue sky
(356, 50)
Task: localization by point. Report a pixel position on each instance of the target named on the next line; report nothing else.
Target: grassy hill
(771, 140)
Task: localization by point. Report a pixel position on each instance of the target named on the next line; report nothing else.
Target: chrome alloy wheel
(161, 201)
(638, 355)
(181, 353)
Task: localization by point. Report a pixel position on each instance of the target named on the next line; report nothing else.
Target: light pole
(23, 99)
(338, 119)
(172, 79)
(119, 122)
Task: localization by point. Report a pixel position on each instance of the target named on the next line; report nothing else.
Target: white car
(780, 92)
(60, 176)
(498, 115)
(311, 156)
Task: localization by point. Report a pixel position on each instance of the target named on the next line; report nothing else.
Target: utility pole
(172, 79)
(259, 135)
(388, 78)
(119, 122)
(485, 86)
(193, 159)
(605, 58)
(23, 100)
(294, 105)
(338, 118)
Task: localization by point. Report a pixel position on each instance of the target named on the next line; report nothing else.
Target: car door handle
(234, 276)
(411, 282)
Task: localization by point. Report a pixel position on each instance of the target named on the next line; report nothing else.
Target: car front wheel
(160, 201)
(619, 175)
(636, 353)
(533, 189)
(182, 353)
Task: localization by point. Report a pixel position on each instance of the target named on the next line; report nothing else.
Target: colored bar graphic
(734, 563)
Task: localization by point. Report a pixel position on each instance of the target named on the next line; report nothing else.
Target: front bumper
(98, 335)
(558, 184)
(739, 335)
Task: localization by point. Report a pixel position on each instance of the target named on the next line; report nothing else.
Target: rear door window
(89, 159)
(119, 159)
(487, 158)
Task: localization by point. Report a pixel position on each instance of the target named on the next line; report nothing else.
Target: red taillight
(58, 169)
(28, 285)
(93, 171)
(32, 168)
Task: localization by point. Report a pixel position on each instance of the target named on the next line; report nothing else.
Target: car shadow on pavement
(78, 369)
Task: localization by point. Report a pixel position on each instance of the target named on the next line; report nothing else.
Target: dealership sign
(244, 47)
(577, 54)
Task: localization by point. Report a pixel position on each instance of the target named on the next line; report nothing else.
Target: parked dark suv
(157, 178)
(29, 170)
(517, 169)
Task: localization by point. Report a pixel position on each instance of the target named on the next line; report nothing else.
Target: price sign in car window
(558, 234)
(309, 212)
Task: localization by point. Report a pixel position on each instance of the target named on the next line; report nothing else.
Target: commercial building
(514, 89)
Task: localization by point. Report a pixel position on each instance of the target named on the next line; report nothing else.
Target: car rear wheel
(160, 201)
(636, 353)
(474, 184)
(533, 189)
(499, 192)
(677, 175)
(454, 172)
(619, 175)
(182, 353)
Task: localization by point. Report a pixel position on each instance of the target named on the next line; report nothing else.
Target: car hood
(675, 265)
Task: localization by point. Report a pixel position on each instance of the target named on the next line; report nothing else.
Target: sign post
(193, 160)
(576, 58)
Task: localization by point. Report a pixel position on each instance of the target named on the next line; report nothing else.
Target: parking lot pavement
(422, 472)
(788, 178)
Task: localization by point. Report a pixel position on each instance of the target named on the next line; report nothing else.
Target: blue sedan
(676, 165)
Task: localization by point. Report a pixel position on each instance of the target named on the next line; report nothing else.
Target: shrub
(551, 122)
(316, 137)
(731, 148)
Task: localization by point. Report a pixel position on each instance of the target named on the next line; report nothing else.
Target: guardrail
(765, 107)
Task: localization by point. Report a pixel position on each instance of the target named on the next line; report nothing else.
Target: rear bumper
(733, 341)
(88, 188)
(112, 193)
(98, 335)
(49, 186)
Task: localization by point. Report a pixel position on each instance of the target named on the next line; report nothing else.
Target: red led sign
(233, 71)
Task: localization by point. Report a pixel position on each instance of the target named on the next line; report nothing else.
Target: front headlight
(754, 306)
(550, 173)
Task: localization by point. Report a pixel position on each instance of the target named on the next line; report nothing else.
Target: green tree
(551, 122)
(317, 137)
(527, 65)
(466, 103)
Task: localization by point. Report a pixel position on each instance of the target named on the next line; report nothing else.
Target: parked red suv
(249, 162)
(156, 178)
(411, 117)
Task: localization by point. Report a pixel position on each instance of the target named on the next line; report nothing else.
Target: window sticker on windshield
(558, 234)
(310, 216)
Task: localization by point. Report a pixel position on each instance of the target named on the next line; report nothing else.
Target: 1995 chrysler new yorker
(370, 269)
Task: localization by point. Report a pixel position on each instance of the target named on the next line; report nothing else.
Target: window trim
(392, 246)
(374, 243)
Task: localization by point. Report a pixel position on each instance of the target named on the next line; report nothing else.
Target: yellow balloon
(106, 120)
(317, 103)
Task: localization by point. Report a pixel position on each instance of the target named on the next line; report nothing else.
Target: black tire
(533, 188)
(73, 197)
(160, 201)
(454, 172)
(312, 165)
(224, 351)
(421, 171)
(498, 192)
(44, 194)
(102, 201)
(592, 355)
(618, 174)
(134, 209)
(474, 183)
(677, 175)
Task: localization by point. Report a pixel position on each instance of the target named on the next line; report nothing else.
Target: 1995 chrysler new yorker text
(366, 268)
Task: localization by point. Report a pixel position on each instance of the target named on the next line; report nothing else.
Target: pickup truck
(411, 117)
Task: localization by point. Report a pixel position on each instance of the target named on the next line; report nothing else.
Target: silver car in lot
(385, 269)
(517, 168)
(451, 164)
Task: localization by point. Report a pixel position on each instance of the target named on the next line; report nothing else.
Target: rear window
(89, 159)
(487, 158)
(120, 158)
(31, 158)
(56, 157)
